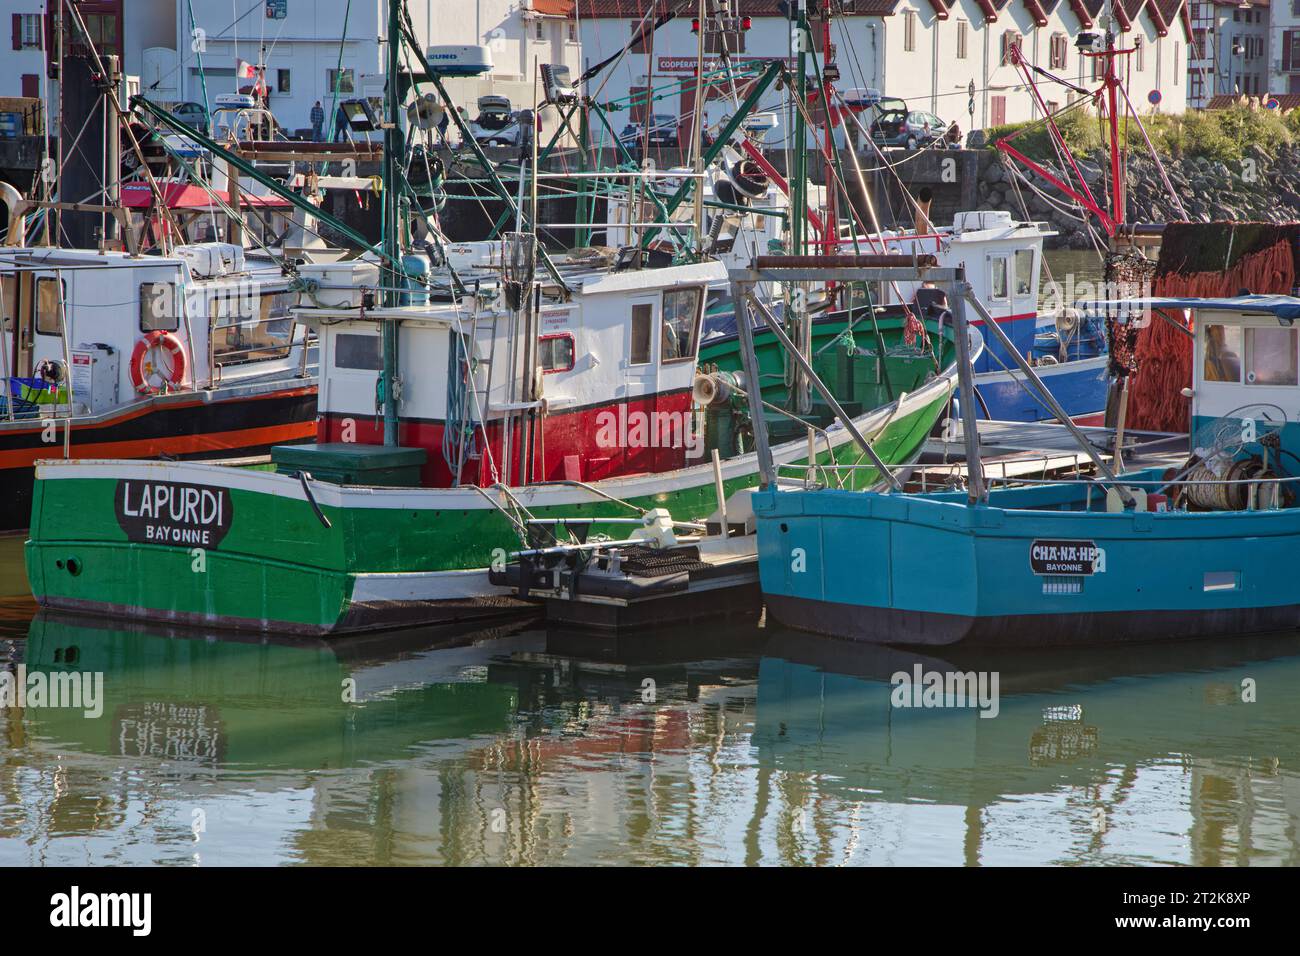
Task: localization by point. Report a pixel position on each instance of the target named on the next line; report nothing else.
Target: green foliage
(1078, 128)
(1219, 135)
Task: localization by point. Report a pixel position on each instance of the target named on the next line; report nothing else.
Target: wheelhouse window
(8, 304)
(1271, 356)
(1222, 354)
(49, 306)
(556, 352)
(158, 312)
(1024, 273)
(358, 352)
(250, 327)
(680, 325)
(998, 279)
(642, 325)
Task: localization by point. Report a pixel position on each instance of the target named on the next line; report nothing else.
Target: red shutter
(31, 85)
(18, 31)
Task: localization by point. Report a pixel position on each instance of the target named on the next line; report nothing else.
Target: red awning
(189, 196)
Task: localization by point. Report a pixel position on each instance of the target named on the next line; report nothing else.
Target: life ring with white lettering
(144, 367)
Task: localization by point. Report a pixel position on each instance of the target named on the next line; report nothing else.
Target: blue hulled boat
(1208, 548)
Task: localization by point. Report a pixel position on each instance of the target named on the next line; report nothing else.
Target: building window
(539, 29)
(102, 28)
(961, 39)
(1059, 51)
(282, 82)
(909, 31)
(342, 81)
(1291, 50)
(572, 32)
(27, 31)
(1010, 38)
(716, 41)
(1177, 65)
(1139, 58)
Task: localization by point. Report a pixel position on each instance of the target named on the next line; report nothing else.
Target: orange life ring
(142, 369)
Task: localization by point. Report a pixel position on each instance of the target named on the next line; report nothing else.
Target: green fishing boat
(448, 431)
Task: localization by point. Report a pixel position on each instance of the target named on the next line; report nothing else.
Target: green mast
(392, 276)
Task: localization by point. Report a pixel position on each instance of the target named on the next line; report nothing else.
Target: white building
(928, 52)
(1284, 48)
(179, 46)
(1230, 50)
(316, 48)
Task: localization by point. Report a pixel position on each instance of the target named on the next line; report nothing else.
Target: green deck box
(346, 463)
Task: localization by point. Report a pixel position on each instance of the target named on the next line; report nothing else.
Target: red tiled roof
(554, 8)
(636, 9)
(1286, 101)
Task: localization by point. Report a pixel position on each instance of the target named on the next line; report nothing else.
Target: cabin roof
(1284, 308)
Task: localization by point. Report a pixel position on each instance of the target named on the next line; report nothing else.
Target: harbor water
(745, 745)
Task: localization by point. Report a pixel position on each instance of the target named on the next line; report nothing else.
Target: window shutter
(18, 31)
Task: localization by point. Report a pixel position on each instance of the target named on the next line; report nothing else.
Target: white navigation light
(458, 60)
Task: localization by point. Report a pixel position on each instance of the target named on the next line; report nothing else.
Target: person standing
(317, 123)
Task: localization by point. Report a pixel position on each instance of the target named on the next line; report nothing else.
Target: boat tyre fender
(142, 367)
(304, 477)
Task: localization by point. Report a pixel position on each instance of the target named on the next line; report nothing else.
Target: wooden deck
(1043, 450)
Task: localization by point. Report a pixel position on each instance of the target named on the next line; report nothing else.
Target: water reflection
(520, 746)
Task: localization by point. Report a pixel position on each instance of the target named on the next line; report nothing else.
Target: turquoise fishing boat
(1206, 549)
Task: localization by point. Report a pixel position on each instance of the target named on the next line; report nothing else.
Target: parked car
(895, 125)
(663, 132)
(496, 124)
(193, 115)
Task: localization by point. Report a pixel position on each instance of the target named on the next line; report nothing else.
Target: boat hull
(372, 558)
(1078, 386)
(931, 570)
(922, 628)
(241, 423)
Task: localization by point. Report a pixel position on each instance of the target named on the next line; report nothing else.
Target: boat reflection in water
(740, 746)
(1099, 756)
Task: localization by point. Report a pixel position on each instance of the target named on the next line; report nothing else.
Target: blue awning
(1285, 308)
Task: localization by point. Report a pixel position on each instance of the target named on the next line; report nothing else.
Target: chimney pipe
(924, 197)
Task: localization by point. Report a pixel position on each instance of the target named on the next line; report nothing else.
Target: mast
(697, 110)
(391, 275)
(1112, 106)
(800, 387)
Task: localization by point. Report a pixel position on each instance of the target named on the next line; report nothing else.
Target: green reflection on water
(739, 746)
